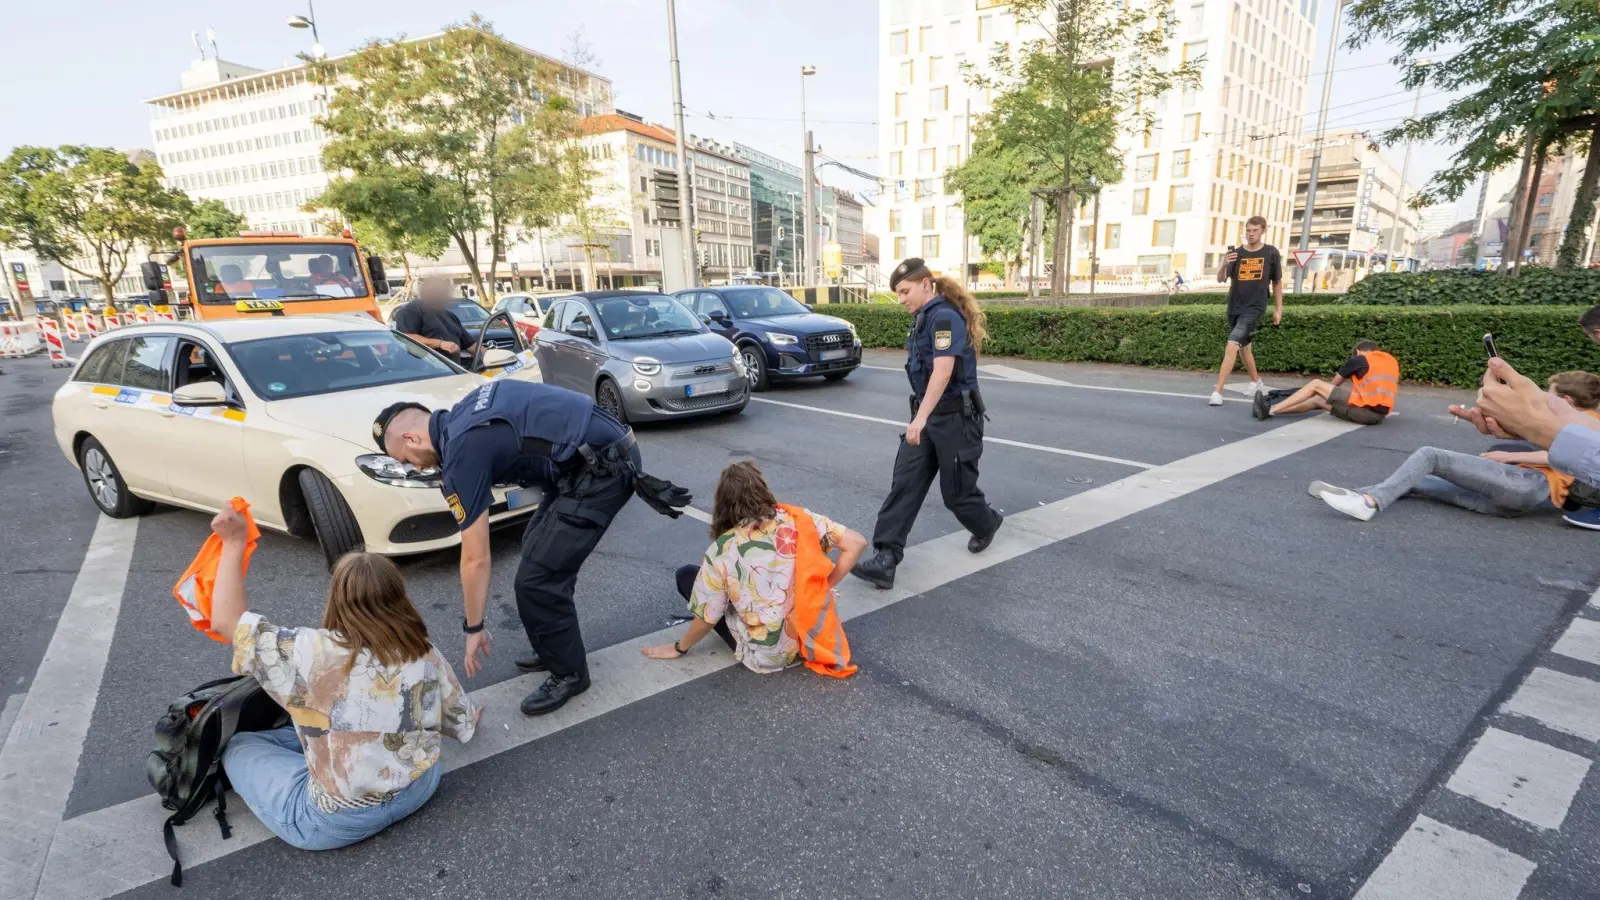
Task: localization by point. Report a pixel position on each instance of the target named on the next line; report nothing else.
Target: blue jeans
(1461, 479)
(268, 771)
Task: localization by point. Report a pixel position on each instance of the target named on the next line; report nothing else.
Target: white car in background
(527, 311)
(276, 410)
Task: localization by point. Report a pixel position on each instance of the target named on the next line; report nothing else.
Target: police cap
(914, 268)
(381, 423)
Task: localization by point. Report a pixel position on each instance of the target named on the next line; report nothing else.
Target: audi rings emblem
(832, 338)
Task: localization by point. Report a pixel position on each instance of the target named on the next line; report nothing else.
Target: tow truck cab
(274, 272)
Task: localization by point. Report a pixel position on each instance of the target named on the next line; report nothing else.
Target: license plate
(827, 355)
(705, 387)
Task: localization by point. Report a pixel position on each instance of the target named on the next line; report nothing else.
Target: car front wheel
(106, 487)
(755, 366)
(608, 397)
(336, 526)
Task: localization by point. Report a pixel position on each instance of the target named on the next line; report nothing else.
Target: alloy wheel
(102, 479)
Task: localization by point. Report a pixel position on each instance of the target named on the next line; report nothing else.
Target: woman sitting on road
(751, 567)
(369, 697)
(1497, 483)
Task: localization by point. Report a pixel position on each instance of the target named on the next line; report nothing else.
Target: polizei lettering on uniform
(485, 397)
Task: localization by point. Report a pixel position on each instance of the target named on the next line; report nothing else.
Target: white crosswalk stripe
(1528, 779)
(1433, 861)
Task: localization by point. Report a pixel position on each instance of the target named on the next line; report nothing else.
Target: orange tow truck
(271, 272)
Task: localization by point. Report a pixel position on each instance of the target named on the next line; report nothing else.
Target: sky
(90, 64)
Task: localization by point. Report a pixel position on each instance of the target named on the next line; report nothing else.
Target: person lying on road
(745, 588)
(1362, 392)
(369, 696)
(1497, 483)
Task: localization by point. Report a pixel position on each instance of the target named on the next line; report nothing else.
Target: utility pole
(966, 236)
(686, 223)
(811, 270)
(1094, 244)
(1316, 154)
(1067, 37)
(1405, 167)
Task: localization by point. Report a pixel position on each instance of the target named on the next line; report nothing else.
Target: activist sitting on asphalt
(1362, 392)
(760, 551)
(1496, 483)
(369, 697)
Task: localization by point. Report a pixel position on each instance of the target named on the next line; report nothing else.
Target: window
(1141, 201)
(899, 248)
(1152, 135)
(897, 163)
(952, 217)
(899, 12)
(1544, 199)
(1113, 237)
(1145, 167)
(1180, 164)
(580, 316)
(1197, 18)
(1085, 235)
(900, 103)
(925, 187)
(1191, 127)
(939, 99)
(1180, 198)
(147, 366)
(953, 154)
(930, 246)
(985, 28)
(925, 39)
(1542, 220)
(104, 365)
(929, 127)
(894, 220)
(1163, 232)
(935, 68)
(902, 134)
(1194, 51)
(898, 45)
(930, 218)
(906, 73)
(958, 128)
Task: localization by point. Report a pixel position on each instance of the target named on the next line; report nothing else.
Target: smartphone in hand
(1489, 347)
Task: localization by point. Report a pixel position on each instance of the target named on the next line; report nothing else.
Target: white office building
(1217, 154)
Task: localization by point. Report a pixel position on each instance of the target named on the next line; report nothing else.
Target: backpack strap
(171, 840)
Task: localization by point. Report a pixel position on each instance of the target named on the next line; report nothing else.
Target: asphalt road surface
(1175, 674)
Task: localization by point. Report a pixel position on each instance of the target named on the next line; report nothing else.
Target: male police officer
(514, 432)
(945, 437)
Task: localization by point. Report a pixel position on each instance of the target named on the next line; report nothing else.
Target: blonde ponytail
(977, 322)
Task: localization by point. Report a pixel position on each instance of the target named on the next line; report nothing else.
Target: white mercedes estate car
(276, 410)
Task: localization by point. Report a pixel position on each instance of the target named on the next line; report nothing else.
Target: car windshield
(762, 303)
(301, 365)
(645, 316)
(469, 313)
(224, 273)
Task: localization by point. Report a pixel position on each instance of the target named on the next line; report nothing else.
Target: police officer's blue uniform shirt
(939, 330)
(512, 432)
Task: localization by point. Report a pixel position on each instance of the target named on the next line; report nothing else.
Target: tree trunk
(470, 254)
(1517, 196)
(1525, 230)
(1573, 242)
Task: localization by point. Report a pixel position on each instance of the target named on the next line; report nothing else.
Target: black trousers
(561, 534)
(950, 447)
(686, 576)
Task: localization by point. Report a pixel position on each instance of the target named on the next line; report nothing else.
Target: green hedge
(981, 296)
(1214, 298)
(1437, 345)
(1449, 287)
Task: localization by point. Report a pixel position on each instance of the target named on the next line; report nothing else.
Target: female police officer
(513, 432)
(945, 436)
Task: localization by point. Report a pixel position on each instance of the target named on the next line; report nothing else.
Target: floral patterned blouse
(367, 733)
(751, 568)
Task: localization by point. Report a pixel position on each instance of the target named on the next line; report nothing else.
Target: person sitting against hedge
(1497, 483)
(1362, 391)
(744, 588)
(1591, 323)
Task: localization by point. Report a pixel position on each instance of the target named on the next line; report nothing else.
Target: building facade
(724, 229)
(1217, 154)
(776, 209)
(1359, 213)
(848, 227)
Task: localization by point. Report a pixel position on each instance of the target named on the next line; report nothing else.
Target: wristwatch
(470, 629)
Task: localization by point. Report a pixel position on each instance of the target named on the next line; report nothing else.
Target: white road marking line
(1433, 861)
(1528, 779)
(39, 760)
(1011, 373)
(124, 841)
(986, 439)
(700, 515)
(1561, 701)
(8, 713)
(1581, 641)
(1056, 382)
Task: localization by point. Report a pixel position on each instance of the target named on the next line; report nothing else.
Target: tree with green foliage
(213, 219)
(1063, 100)
(453, 138)
(1528, 76)
(994, 184)
(87, 209)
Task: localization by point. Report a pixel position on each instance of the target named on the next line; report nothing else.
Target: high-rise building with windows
(1216, 154)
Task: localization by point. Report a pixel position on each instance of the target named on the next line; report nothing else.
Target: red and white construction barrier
(70, 319)
(91, 323)
(113, 318)
(19, 339)
(164, 314)
(52, 343)
(141, 315)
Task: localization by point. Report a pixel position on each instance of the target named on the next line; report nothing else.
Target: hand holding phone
(1489, 347)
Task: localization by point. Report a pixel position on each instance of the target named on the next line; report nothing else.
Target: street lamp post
(309, 20)
(1316, 156)
(1405, 166)
(810, 238)
(685, 193)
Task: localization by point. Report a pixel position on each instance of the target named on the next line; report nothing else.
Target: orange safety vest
(1381, 383)
(814, 619)
(194, 587)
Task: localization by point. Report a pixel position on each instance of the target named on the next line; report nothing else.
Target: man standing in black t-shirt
(429, 321)
(1255, 269)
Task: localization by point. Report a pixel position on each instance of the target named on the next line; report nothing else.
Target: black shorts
(1242, 326)
(1339, 405)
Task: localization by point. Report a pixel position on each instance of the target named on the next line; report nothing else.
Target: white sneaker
(1318, 488)
(1216, 399)
(1351, 504)
(1254, 387)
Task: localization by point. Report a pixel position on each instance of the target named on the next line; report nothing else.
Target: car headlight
(853, 333)
(780, 339)
(646, 365)
(395, 473)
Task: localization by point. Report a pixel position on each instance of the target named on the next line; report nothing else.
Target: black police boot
(1261, 407)
(554, 694)
(879, 570)
(977, 544)
(530, 662)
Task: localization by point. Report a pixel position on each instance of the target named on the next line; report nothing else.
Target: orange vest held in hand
(1381, 383)
(815, 616)
(195, 586)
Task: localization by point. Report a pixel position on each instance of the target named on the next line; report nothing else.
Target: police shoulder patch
(377, 430)
(455, 508)
(941, 340)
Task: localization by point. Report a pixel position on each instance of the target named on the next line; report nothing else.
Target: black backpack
(186, 767)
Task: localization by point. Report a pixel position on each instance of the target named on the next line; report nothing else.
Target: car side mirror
(150, 272)
(718, 315)
(380, 281)
(581, 330)
(201, 393)
(497, 358)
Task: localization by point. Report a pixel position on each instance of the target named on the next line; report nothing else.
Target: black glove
(663, 496)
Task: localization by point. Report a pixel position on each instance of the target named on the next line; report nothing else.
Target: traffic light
(664, 196)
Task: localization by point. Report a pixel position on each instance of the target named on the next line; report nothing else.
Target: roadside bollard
(71, 322)
(52, 342)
